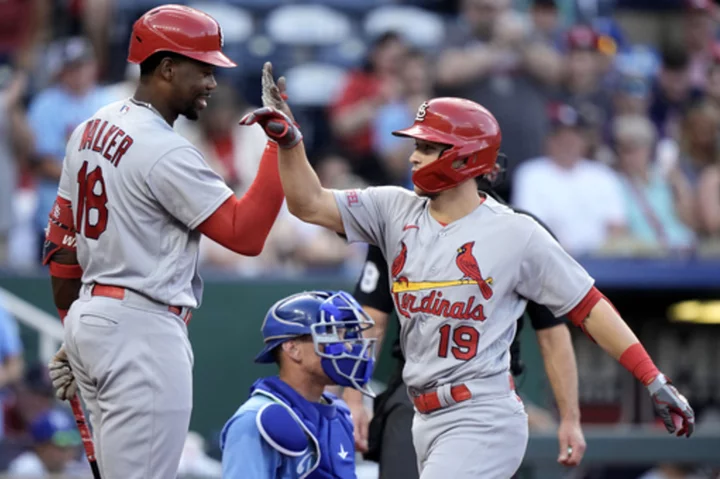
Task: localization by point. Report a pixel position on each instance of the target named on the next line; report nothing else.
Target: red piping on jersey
(242, 225)
(636, 360)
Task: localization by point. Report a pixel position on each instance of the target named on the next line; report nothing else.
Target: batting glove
(277, 125)
(63, 380)
(275, 94)
(668, 401)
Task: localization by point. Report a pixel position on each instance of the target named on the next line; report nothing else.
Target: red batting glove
(277, 125)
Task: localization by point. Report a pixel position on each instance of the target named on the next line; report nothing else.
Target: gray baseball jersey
(138, 191)
(459, 289)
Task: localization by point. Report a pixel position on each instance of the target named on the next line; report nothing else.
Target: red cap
(178, 29)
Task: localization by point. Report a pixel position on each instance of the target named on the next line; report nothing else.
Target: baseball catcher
(290, 427)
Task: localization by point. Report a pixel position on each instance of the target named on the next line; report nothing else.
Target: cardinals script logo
(422, 111)
(408, 302)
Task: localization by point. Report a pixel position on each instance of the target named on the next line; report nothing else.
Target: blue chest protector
(293, 425)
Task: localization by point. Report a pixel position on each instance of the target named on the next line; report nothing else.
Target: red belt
(429, 402)
(116, 292)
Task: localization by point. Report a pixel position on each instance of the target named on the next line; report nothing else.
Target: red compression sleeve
(582, 310)
(242, 225)
(636, 360)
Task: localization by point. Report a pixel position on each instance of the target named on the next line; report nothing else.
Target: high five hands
(275, 117)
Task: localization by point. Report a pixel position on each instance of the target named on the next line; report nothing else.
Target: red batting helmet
(471, 132)
(178, 29)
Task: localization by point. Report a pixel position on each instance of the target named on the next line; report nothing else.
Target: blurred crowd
(38, 434)
(611, 133)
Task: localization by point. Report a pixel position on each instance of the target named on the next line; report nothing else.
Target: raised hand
(274, 95)
(278, 126)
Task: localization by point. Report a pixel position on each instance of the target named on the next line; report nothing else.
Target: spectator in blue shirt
(57, 111)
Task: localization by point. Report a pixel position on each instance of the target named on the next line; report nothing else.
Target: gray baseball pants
(133, 363)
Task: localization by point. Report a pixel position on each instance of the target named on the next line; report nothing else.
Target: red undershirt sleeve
(242, 225)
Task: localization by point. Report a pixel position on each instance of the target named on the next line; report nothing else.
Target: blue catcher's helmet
(335, 321)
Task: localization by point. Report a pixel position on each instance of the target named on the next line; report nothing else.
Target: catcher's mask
(336, 322)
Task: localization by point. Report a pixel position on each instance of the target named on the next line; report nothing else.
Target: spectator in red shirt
(365, 91)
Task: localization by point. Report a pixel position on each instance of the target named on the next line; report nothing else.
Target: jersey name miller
(107, 139)
(434, 304)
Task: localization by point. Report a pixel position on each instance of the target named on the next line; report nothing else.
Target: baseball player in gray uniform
(462, 267)
(122, 245)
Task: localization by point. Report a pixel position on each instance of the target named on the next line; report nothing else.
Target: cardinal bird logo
(469, 267)
(399, 262)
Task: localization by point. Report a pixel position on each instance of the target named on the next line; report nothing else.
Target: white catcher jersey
(138, 191)
(459, 289)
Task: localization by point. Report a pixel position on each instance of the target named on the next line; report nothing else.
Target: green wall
(225, 334)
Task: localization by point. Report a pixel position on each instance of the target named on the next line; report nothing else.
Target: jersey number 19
(464, 342)
(92, 212)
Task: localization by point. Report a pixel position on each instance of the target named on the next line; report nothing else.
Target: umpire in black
(387, 439)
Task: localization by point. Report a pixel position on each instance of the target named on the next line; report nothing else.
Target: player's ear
(167, 68)
(292, 350)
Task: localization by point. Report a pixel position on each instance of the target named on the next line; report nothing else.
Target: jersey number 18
(92, 212)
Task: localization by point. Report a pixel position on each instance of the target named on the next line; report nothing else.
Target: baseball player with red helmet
(122, 246)
(463, 266)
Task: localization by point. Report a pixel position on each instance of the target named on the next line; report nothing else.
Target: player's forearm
(610, 332)
(561, 368)
(300, 182)
(65, 292)
(65, 280)
(59, 253)
(243, 225)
